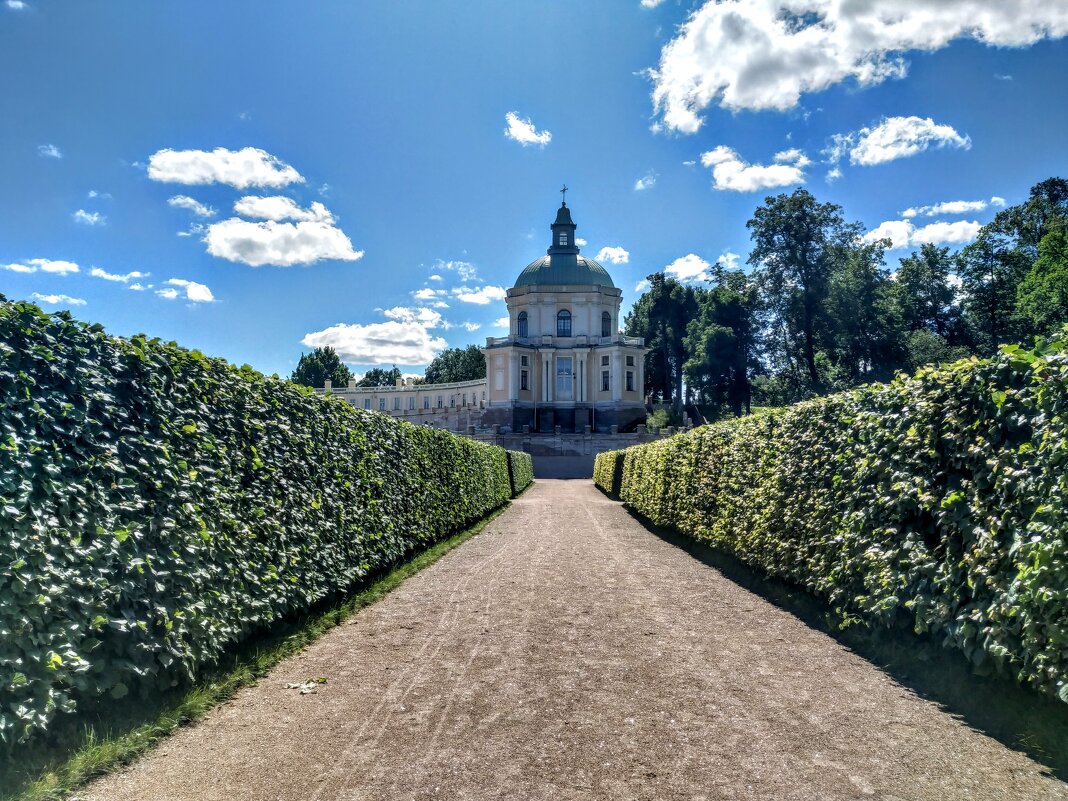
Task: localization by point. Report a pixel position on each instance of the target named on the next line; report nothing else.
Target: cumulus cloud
(642, 285)
(240, 169)
(279, 208)
(523, 131)
(57, 300)
(49, 152)
(406, 314)
(952, 207)
(191, 204)
(16, 5)
(44, 265)
(426, 293)
(464, 269)
(689, 269)
(580, 241)
(729, 260)
(613, 255)
(122, 278)
(93, 193)
(501, 322)
(895, 138)
(731, 173)
(481, 296)
(472, 326)
(279, 243)
(190, 290)
(793, 156)
(651, 3)
(764, 54)
(903, 233)
(89, 217)
(391, 342)
(648, 181)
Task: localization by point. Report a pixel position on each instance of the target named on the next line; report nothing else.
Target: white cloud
(642, 285)
(279, 243)
(524, 132)
(391, 342)
(580, 241)
(793, 156)
(464, 269)
(903, 233)
(944, 233)
(730, 172)
(426, 293)
(191, 204)
(49, 152)
(436, 277)
(139, 287)
(55, 300)
(895, 138)
(279, 208)
(614, 255)
(481, 296)
(952, 207)
(16, 5)
(501, 322)
(689, 269)
(93, 193)
(241, 169)
(124, 278)
(472, 326)
(194, 292)
(89, 217)
(764, 54)
(648, 181)
(427, 318)
(729, 260)
(44, 265)
(833, 174)
(651, 3)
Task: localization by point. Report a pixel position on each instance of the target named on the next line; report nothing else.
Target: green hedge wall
(157, 506)
(521, 470)
(608, 471)
(936, 501)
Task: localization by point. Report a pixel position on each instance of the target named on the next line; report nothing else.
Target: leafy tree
(925, 295)
(797, 244)
(924, 346)
(661, 318)
(380, 377)
(322, 363)
(1042, 297)
(456, 364)
(991, 270)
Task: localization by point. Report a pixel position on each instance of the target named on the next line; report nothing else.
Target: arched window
(563, 323)
(521, 324)
(606, 324)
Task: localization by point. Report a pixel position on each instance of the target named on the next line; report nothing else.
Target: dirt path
(567, 653)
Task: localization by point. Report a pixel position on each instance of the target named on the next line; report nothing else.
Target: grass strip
(101, 752)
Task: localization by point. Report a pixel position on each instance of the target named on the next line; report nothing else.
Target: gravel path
(567, 653)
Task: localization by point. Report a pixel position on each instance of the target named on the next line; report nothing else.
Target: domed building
(564, 362)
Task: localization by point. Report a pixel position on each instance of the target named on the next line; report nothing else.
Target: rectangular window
(630, 361)
(381, 404)
(523, 380)
(452, 401)
(563, 239)
(463, 399)
(630, 380)
(439, 401)
(605, 384)
(426, 401)
(604, 361)
(411, 402)
(367, 403)
(523, 361)
(396, 404)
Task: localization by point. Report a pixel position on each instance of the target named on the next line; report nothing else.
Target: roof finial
(563, 194)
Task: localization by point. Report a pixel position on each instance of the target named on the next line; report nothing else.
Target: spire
(563, 242)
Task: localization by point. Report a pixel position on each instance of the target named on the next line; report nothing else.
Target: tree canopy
(322, 363)
(456, 364)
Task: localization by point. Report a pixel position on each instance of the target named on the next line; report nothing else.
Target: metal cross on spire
(563, 195)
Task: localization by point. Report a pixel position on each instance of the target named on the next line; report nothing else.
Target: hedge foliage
(521, 470)
(157, 506)
(936, 501)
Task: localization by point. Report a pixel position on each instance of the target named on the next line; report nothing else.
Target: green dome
(564, 269)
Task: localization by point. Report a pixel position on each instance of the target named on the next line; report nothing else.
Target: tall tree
(661, 318)
(380, 377)
(322, 363)
(1042, 297)
(456, 364)
(925, 295)
(797, 244)
(991, 270)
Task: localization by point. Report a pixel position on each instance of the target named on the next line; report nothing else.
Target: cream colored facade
(454, 406)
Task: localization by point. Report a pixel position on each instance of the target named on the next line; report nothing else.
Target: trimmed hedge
(936, 501)
(608, 471)
(520, 470)
(157, 506)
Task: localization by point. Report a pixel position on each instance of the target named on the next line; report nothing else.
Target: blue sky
(324, 161)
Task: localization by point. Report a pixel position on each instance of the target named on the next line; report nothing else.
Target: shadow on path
(996, 706)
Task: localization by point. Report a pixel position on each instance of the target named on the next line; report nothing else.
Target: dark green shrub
(936, 501)
(157, 506)
(608, 471)
(521, 470)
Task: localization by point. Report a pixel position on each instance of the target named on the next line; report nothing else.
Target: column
(617, 376)
(513, 376)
